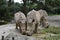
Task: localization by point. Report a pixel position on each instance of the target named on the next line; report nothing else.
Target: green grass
(52, 30)
(55, 30)
(56, 37)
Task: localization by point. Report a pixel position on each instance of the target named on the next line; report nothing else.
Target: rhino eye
(33, 20)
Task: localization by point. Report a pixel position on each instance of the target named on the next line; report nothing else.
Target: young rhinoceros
(44, 20)
(20, 20)
(33, 19)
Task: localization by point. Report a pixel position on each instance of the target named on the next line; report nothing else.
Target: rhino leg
(16, 26)
(20, 28)
(36, 26)
(26, 26)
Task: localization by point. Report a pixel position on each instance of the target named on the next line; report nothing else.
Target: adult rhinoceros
(20, 20)
(33, 19)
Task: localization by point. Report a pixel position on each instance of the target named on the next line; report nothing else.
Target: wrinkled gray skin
(33, 19)
(44, 20)
(20, 20)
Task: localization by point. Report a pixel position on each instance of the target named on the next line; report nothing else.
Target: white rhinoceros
(44, 20)
(20, 20)
(33, 19)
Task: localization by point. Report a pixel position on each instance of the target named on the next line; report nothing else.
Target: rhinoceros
(44, 20)
(33, 19)
(20, 20)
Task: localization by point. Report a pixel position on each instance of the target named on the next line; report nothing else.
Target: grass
(55, 30)
(51, 33)
(56, 37)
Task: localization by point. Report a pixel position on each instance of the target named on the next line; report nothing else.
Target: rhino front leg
(16, 26)
(20, 28)
(36, 26)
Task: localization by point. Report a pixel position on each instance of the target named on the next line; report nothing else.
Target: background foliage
(8, 8)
